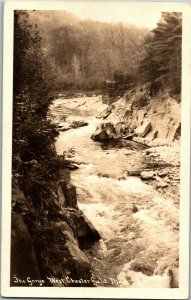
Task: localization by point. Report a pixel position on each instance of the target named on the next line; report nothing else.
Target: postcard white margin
(126, 293)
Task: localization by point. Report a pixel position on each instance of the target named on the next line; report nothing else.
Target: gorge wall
(138, 116)
(48, 239)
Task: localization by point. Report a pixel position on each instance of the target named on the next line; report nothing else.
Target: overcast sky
(139, 14)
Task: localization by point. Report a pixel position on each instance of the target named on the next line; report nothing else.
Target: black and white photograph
(96, 140)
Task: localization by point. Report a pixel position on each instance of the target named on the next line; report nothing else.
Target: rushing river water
(137, 225)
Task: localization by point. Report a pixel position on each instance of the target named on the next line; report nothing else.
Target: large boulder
(78, 123)
(147, 174)
(143, 129)
(108, 131)
(100, 135)
(64, 126)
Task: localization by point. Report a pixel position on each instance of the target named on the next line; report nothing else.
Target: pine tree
(162, 62)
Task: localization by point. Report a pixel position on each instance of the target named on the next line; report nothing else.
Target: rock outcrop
(67, 194)
(24, 261)
(59, 253)
(83, 229)
(152, 121)
(49, 233)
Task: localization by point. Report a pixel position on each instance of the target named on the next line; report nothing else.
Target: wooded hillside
(83, 53)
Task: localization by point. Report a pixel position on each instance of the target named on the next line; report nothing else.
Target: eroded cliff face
(49, 235)
(150, 120)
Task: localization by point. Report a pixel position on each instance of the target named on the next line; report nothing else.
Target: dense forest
(32, 88)
(82, 53)
(85, 52)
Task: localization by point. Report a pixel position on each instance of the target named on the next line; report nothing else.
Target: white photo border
(123, 293)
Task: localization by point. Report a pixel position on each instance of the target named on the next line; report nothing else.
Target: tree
(162, 62)
(33, 135)
(86, 52)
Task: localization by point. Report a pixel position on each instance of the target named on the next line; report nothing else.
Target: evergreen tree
(33, 135)
(162, 62)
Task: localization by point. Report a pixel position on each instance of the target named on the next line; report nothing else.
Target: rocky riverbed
(130, 192)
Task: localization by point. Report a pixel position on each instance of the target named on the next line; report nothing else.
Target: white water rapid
(137, 225)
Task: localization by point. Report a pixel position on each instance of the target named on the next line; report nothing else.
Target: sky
(138, 14)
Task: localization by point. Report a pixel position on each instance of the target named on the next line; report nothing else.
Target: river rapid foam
(138, 227)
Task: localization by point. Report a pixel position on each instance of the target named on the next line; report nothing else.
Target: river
(137, 225)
